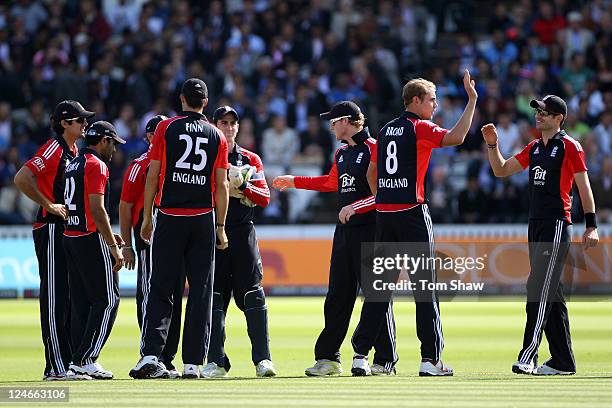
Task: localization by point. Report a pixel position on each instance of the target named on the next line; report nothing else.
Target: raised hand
(470, 85)
(489, 133)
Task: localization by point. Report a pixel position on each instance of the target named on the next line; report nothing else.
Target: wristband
(220, 225)
(492, 146)
(112, 245)
(590, 221)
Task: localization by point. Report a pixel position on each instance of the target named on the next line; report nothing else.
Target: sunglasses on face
(77, 120)
(333, 121)
(545, 113)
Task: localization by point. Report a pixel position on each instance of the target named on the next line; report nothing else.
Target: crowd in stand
(281, 63)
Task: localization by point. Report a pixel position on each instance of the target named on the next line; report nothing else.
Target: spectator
(575, 38)
(547, 25)
(575, 75)
(508, 133)
(500, 52)
(6, 126)
(315, 145)
(603, 133)
(440, 193)
(472, 202)
(602, 191)
(280, 144)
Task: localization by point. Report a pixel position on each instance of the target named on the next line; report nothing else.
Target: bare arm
(125, 222)
(501, 167)
(590, 238)
(125, 227)
(586, 194)
(457, 134)
(26, 183)
(221, 203)
(101, 220)
(149, 195)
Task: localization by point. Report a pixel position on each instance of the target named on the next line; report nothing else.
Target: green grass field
(482, 340)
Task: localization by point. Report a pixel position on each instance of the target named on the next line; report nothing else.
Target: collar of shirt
(361, 136)
(194, 114)
(556, 136)
(86, 150)
(410, 115)
(64, 145)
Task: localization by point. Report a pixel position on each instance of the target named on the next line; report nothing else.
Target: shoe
(190, 371)
(378, 369)
(212, 370)
(173, 373)
(324, 367)
(360, 366)
(429, 369)
(265, 368)
(67, 376)
(94, 370)
(523, 368)
(545, 369)
(146, 367)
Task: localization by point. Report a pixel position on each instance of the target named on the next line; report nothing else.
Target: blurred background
(281, 63)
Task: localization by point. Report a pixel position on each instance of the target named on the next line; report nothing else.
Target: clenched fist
(489, 133)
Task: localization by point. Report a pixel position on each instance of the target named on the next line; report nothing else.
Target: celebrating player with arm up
(404, 149)
(238, 269)
(357, 224)
(555, 160)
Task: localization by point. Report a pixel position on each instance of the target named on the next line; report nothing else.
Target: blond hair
(417, 87)
(359, 122)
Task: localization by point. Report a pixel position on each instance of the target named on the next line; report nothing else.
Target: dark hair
(92, 141)
(56, 125)
(193, 101)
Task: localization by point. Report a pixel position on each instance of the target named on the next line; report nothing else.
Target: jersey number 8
(391, 160)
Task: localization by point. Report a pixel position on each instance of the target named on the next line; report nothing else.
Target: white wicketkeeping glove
(235, 176)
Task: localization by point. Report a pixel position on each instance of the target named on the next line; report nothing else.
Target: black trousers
(546, 309)
(344, 284)
(54, 297)
(94, 292)
(142, 292)
(410, 226)
(191, 239)
(238, 270)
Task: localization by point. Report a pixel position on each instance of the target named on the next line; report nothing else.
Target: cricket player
(238, 269)
(93, 252)
(42, 179)
(356, 225)
(130, 217)
(187, 178)
(404, 149)
(555, 161)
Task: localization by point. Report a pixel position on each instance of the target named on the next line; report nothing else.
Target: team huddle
(186, 216)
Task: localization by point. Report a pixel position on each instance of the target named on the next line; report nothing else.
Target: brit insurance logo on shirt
(539, 176)
(347, 183)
